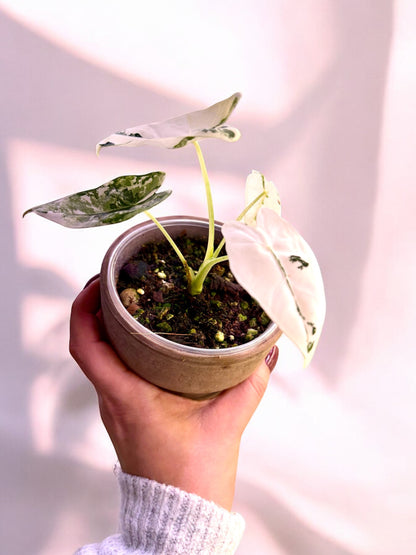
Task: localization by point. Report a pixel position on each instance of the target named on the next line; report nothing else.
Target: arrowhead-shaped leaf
(278, 268)
(178, 132)
(256, 184)
(115, 201)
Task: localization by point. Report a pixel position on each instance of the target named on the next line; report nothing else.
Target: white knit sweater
(158, 519)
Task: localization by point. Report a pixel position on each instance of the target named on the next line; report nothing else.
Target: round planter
(190, 371)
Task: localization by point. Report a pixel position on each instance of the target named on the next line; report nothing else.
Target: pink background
(328, 113)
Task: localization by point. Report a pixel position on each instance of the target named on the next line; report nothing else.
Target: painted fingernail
(272, 357)
(91, 280)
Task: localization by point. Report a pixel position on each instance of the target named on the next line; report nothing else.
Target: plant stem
(198, 281)
(252, 203)
(190, 274)
(210, 205)
(240, 217)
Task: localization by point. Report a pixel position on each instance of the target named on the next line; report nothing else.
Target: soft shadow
(343, 111)
(290, 534)
(50, 96)
(40, 494)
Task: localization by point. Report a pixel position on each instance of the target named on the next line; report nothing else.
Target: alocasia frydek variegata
(268, 257)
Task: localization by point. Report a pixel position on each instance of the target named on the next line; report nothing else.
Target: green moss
(164, 327)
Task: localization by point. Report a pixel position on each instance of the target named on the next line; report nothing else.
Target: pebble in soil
(152, 286)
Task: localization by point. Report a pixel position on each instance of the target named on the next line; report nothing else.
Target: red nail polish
(272, 357)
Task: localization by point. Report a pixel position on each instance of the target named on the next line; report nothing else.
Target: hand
(189, 444)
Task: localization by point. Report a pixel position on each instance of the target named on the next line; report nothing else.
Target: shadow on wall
(344, 180)
(49, 95)
(343, 115)
(289, 532)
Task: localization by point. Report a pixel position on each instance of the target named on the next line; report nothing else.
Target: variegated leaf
(178, 132)
(116, 201)
(278, 268)
(255, 185)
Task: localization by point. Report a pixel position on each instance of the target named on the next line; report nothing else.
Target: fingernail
(91, 280)
(272, 357)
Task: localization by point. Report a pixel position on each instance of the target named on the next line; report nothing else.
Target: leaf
(278, 268)
(178, 132)
(114, 202)
(255, 185)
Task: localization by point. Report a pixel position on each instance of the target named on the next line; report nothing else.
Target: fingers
(107, 372)
(239, 403)
(97, 276)
(255, 386)
(96, 358)
(83, 314)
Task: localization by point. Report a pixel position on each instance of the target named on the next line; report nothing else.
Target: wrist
(152, 512)
(207, 472)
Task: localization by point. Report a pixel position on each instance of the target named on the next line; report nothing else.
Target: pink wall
(328, 113)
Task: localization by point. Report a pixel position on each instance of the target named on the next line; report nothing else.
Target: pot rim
(128, 322)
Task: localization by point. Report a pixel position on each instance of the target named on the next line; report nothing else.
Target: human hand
(189, 444)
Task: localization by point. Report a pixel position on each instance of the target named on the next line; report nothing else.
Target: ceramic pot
(190, 371)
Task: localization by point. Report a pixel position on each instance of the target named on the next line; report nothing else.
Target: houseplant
(267, 256)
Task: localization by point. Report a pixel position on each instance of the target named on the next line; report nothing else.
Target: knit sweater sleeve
(161, 519)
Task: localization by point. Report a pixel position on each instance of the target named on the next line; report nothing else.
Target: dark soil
(223, 315)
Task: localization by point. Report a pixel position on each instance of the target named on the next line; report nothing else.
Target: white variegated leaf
(278, 268)
(256, 184)
(178, 132)
(116, 201)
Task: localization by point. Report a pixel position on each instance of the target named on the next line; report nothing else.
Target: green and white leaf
(278, 268)
(256, 184)
(116, 201)
(178, 132)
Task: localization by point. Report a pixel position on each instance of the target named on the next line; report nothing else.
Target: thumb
(243, 399)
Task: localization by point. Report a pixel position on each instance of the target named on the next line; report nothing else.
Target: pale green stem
(203, 271)
(210, 205)
(190, 274)
(252, 203)
(240, 217)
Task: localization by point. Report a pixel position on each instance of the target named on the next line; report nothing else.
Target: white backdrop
(328, 113)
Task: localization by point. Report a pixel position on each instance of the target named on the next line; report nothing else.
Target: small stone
(129, 296)
(157, 296)
(133, 308)
(219, 336)
(166, 286)
(134, 270)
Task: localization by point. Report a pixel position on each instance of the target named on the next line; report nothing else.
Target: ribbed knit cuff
(161, 519)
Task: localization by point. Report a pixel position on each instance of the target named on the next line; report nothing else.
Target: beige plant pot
(190, 371)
